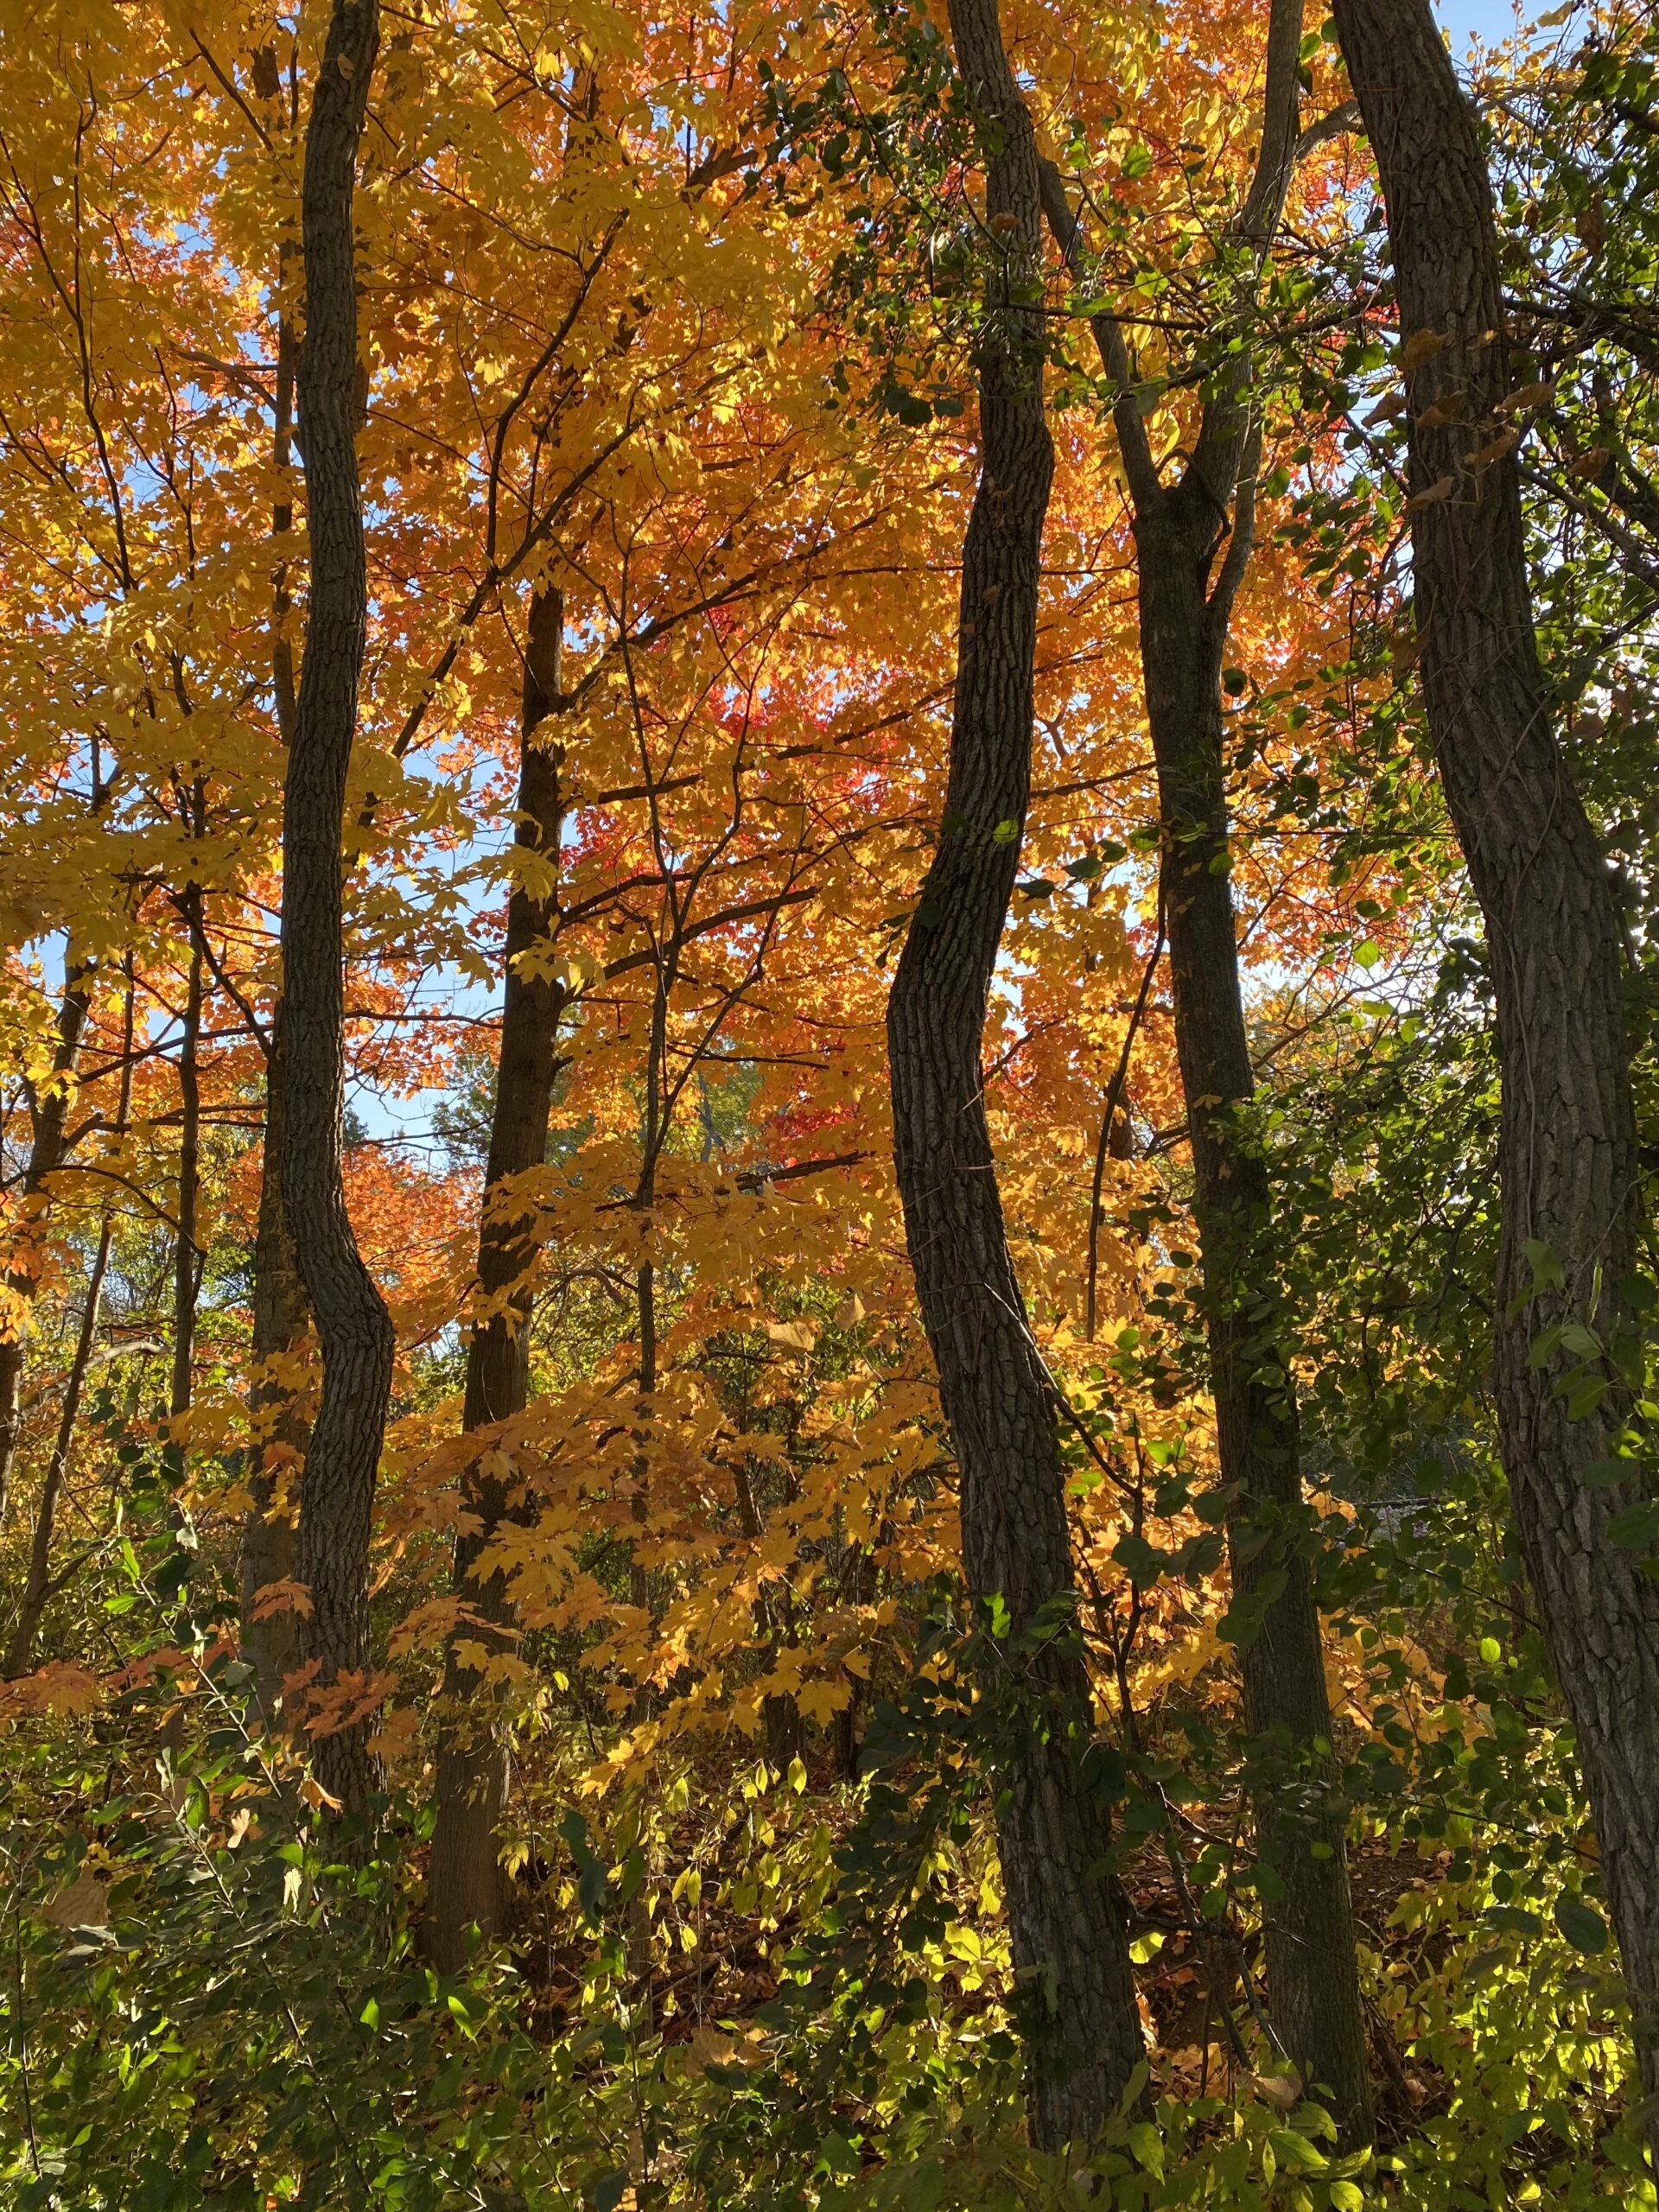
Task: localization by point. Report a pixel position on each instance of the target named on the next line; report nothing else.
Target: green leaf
(1347, 2196)
(1296, 2151)
(1148, 2146)
(1606, 1474)
(1515, 1919)
(1635, 1529)
(1582, 1925)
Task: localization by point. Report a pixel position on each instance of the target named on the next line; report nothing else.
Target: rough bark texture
(47, 1143)
(1069, 1943)
(332, 1549)
(464, 1883)
(1567, 1149)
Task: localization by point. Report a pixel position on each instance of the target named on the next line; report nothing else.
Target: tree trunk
(187, 1270)
(1567, 1149)
(1069, 1943)
(332, 1550)
(464, 1885)
(50, 1116)
(1180, 529)
(276, 1433)
(1312, 1978)
(39, 1585)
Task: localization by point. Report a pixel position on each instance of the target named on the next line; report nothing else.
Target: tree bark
(1308, 1931)
(276, 1431)
(1187, 586)
(354, 1329)
(464, 1885)
(1567, 1155)
(1070, 1942)
(49, 1113)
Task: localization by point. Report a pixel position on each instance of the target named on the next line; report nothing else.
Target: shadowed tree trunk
(187, 1260)
(1069, 1943)
(353, 1330)
(464, 1883)
(1308, 1930)
(1187, 586)
(1568, 1147)
(277, 1433)
(49, 1113)
(1185, 606)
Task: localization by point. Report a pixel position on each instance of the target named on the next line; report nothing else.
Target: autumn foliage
(678, 316)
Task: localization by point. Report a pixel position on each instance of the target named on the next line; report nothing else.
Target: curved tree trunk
(1069, 1943)
(332, 1549)
(464, 1885)
(1567, 1149)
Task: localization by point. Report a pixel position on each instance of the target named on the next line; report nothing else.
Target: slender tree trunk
(1185, 606)
(49, 1113)
(1568, 1147)
(1312, 1978)
(464, 1885)
(1069, 1943)
(187, 1270)
(332, 1550)
(276, 1431)
(39, 1585)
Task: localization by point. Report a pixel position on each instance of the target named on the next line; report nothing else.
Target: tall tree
(464, 1887)
(354, 1329)
(1069, 1937)
(1193, 536)
(1568, 1165)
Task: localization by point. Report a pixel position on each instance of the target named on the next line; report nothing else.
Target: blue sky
(1487, 19)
